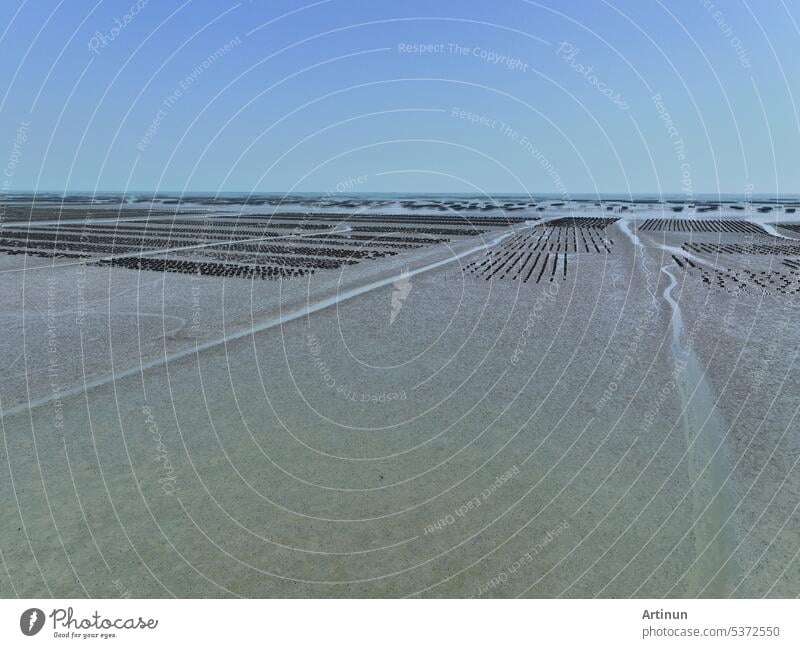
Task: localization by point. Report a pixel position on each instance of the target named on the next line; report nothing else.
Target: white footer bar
(385, 624)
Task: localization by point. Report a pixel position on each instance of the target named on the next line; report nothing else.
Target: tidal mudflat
(416, 397)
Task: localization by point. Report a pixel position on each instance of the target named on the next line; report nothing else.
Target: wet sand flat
(448, 429)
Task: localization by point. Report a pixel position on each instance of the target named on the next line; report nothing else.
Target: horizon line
(333, 194)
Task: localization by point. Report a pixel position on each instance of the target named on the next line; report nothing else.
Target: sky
(566, 97)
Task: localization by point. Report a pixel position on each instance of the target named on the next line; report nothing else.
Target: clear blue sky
(315, 96)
